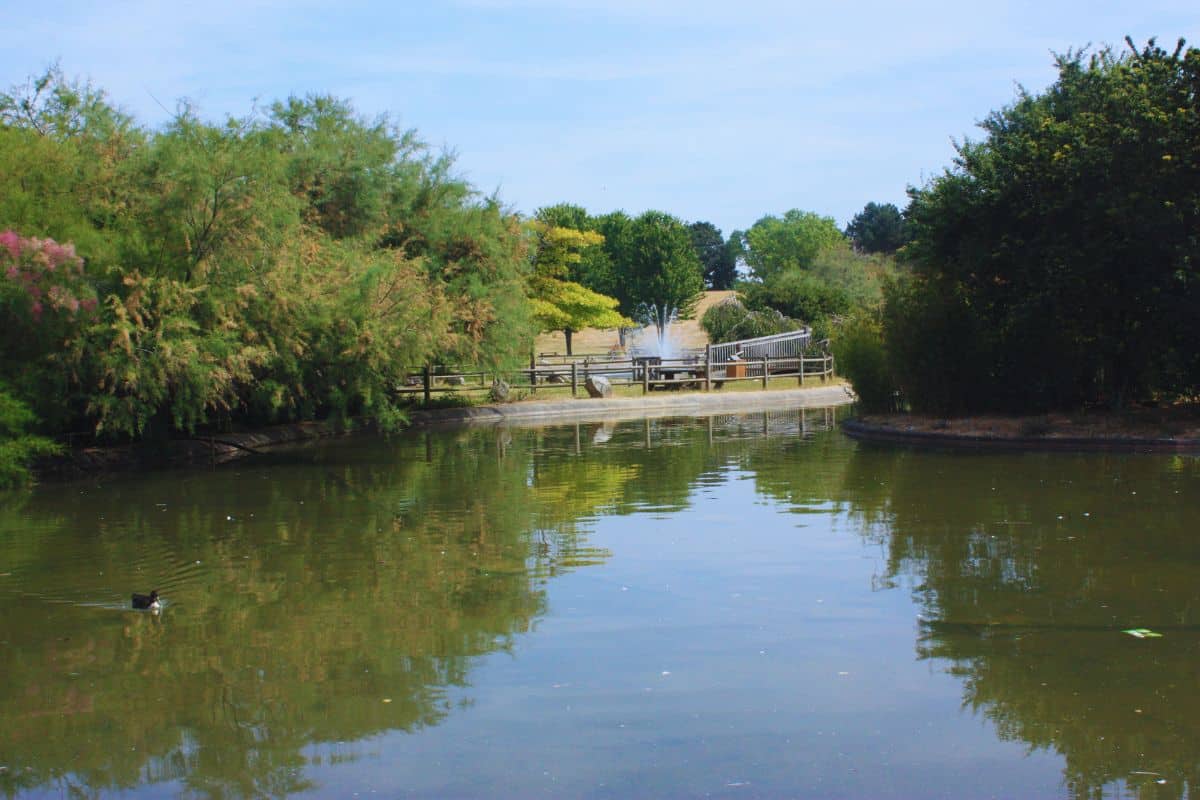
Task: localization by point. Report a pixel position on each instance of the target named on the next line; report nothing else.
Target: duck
(147, 601)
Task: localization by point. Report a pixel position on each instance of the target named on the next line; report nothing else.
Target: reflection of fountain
(661, 318)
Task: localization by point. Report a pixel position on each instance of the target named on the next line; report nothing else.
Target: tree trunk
(567, 333)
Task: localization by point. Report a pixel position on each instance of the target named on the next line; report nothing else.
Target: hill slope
(687, 333)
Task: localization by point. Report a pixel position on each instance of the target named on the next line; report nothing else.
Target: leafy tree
(559, 303)
(878, 229)
(65, 152)
(715, 255)
(799, 294)
(839, 284)
(341, 166)
(1060, 251)
(775, 244)
(655, 263)
(858, 347)
(268, 268)
(593, 269)
(18, 447)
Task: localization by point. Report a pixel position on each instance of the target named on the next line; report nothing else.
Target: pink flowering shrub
(41, 277)
(47, 305)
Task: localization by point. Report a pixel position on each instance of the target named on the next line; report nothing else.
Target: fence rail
(702, 371)
(779, 345)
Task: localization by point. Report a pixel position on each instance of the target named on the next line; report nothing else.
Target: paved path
(651, 405)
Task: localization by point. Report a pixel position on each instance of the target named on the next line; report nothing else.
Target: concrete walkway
(529, 412)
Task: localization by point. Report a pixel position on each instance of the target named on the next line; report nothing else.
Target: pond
(731, 606)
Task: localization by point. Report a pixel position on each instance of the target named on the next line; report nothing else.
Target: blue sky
(719, 111)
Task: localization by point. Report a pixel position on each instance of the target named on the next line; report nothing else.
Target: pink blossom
(12, 272)
(73, 305)
(36, 310)
(11, 242)
(89, 304)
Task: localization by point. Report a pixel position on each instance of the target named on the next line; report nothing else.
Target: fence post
(802, 369)
(574, 377)
(708, 370)
(765, 373)
(645, 378)
(426, 382)
(532, 373)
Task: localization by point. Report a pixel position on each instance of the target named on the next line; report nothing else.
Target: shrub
(17, 446)
(859, 351)
(730, 321)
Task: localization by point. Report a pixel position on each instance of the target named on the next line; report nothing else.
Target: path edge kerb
(857, 429)
(650, 405)
(220, 448)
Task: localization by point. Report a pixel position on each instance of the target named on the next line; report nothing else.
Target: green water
(737, 606)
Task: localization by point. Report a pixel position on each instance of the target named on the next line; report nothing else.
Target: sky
(716, 111)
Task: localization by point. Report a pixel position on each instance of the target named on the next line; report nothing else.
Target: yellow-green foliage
(276, 267)
(559, 303)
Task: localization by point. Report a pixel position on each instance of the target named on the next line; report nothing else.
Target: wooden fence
(697, 371)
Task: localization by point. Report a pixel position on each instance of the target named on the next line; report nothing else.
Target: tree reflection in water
(322, 597)
(1028, 567)
(314, 598)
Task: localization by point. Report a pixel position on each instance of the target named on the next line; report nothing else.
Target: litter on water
(1143, 633)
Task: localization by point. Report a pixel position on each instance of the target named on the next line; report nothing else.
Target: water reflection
(314, 598)
(374, 602)
(1028, 568)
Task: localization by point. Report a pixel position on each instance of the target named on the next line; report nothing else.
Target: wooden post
(645, 378)
(802, 369)
(426, 382)
(532, 373)
(574, 378)
(765, 372)
(708, 376)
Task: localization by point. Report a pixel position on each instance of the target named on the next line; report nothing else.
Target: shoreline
(216, 449)
(1145, 431)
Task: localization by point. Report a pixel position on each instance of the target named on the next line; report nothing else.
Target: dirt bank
(1167, 429)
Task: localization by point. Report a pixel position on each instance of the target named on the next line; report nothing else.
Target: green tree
(878, 229)
(715, 255)
(342, 166)
(559, 303)
(593, 269)
(774, 244)
(838, 284)
(18, 447)
(66, 152)
(259, 269)
(1065, 245)
(655, 265)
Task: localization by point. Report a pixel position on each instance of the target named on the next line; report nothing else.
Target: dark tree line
(1057, 263)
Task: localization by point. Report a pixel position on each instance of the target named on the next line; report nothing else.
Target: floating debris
(1143, 633)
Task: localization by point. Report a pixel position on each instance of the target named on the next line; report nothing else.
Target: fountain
(661, 318)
